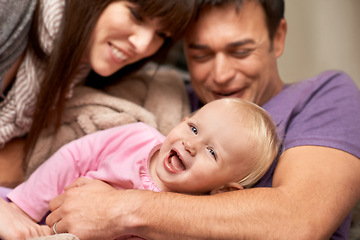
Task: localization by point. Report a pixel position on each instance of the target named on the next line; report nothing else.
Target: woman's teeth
(119, 54)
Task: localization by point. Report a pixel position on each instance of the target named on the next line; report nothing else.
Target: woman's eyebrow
(198, 46)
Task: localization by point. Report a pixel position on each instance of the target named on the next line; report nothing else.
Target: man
(309, 191)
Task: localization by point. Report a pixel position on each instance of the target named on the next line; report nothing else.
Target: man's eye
(201, 57)
(241, 53)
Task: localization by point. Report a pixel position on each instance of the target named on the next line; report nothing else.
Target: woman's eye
(135, 13)
(162, 34)
(194, 129)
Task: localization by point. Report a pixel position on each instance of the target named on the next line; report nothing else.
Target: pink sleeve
(69, 163)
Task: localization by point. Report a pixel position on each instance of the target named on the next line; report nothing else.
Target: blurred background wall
(322, 34)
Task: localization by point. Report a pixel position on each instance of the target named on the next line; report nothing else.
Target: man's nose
(223, 72)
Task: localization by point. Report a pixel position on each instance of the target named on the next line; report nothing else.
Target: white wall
(322, 34)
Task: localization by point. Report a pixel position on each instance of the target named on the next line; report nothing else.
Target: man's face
(229, 54)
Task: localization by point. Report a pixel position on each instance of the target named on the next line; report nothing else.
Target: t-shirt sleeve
(328, 116)
(70, 162)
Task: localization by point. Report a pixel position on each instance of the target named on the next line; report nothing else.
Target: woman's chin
(105, 72)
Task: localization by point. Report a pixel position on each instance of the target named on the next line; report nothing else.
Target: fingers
(16, 224)
(79, 182)
(59, 200)
(46, 230)
(54, 229)
(55, 205)
(55, 211)
(52, 218)
(56, 202)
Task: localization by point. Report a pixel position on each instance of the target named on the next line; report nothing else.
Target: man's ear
(233, 186)
(279, 38)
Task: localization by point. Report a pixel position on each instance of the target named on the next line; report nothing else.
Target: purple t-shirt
(321, 111)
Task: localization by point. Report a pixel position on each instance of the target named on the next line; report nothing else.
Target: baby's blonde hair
(263, 137)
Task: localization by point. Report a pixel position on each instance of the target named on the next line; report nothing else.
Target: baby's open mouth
(174, 162)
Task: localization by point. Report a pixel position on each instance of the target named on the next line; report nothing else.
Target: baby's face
(206, 151)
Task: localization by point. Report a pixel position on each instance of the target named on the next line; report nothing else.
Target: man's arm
(314, 189)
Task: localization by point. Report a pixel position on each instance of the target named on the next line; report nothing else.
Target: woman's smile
(120, 55)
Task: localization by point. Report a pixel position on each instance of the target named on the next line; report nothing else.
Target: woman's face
(121, 37)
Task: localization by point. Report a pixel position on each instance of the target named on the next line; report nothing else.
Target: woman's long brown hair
(78, 23)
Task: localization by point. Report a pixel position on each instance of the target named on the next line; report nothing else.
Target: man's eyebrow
(230, 45)
(241, 43)
(197, 46)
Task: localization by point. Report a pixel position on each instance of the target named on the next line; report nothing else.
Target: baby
(228, 144)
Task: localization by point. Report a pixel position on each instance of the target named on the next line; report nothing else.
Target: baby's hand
(46, 230)
(15, 224)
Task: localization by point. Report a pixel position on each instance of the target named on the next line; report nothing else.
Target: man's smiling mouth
(235, 94)
(226, 94)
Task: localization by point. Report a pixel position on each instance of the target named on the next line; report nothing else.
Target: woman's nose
(143, 41)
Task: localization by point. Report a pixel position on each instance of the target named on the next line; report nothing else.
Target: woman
(67, 39)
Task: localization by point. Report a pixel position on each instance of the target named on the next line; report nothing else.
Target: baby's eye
(194, 129)
(212, 152)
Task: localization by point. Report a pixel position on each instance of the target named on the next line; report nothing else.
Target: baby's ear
(233, 186)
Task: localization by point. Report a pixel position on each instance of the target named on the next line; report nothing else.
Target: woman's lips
(119, 54)
(173, 163)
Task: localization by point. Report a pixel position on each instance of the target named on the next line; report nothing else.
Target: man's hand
(88, 209)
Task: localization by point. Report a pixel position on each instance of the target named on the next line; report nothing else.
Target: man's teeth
(226, 94)
(118, 54)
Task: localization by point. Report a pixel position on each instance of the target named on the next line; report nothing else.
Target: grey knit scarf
(15, 20)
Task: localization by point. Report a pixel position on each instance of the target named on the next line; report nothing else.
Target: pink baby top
(118, 156)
